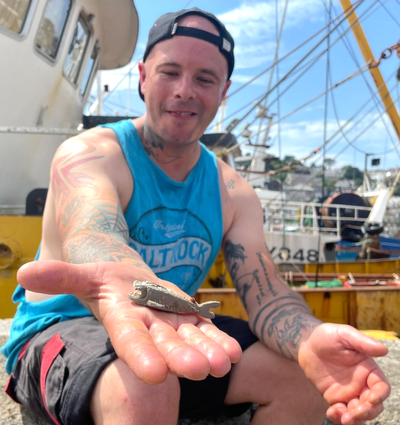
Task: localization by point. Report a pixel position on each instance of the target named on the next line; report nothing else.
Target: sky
(350, 117)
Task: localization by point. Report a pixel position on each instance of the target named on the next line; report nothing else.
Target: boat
(347, 225)
(53, 50)
(325, 238)
(53, 111)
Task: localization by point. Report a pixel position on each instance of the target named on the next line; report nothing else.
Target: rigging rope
(373, 94)
(292, 71)
(382, 113)
(364, 130)
(394, 19)
(285, 56)
(317, 150)
(271, 73)
(277, 122)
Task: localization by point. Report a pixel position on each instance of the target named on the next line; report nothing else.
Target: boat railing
(310, 217)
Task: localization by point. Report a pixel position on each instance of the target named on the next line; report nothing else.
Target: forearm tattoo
(235, 257)
(281, 322)
(287, 328)
(266, 274)
(93, 229)
(97, 216)
(88, 248)
(100, 233)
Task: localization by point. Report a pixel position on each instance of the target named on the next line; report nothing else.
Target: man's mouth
(182, 113)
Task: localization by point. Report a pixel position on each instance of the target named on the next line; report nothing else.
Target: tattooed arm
(277, 315)
(84, 219)
(337, 359)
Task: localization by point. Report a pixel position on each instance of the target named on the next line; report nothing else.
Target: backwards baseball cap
(167, 27)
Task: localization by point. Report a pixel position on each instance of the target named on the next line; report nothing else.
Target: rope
(373, 94)
(283, 79)
(293, 71)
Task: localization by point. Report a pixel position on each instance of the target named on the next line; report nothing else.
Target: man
(144, 197)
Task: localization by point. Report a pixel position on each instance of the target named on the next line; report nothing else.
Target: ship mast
(366, 51)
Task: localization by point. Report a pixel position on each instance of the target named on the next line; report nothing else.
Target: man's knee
(120, 397)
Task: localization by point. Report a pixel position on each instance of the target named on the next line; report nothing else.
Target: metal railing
(306, 217)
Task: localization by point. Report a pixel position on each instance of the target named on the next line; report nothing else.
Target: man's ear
(142, 77)
(227, 85)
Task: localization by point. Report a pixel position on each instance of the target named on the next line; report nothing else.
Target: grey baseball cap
(167, 27)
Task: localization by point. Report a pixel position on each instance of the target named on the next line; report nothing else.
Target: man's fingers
(379, 387)
(219, 360)
(361, 413)
(182, 359)
(134, 345)
(355, 413)
(335, 412)
(229, 344)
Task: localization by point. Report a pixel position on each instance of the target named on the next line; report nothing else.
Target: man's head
(170, 25)
(185, 74)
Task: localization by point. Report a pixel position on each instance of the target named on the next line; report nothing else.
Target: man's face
(184, 81)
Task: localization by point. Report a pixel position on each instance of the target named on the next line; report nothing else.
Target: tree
(353, 173)
(329, 163)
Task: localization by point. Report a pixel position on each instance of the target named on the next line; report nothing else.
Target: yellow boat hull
(19, 241)
(369, 308)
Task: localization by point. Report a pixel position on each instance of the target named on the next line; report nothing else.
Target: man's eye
(205, 80)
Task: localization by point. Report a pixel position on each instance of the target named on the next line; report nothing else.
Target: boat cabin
(51, 51)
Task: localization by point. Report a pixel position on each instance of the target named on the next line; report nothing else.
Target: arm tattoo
(266, 275)
(151, 142)
(100, 233)
(230, 184)
(287, 327)
(88, 248)
(293, 297)
(62, 170)
(234, 255)
(280, 323)
(97, 216)
(244, 283)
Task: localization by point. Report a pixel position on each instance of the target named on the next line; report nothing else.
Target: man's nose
(184, 88)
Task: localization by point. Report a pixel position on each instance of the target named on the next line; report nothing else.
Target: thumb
(356, 340)
(58, 277)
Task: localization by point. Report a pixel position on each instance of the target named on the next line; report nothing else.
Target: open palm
(338, 361)
(152, 343)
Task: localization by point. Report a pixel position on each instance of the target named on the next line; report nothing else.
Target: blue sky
(255, 27)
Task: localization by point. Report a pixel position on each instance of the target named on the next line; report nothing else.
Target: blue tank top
(175, 226)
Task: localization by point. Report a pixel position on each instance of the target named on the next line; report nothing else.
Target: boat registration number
(301, 255)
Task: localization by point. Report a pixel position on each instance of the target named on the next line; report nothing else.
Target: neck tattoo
(152, 144)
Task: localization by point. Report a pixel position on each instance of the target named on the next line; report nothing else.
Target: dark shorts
(57, 371)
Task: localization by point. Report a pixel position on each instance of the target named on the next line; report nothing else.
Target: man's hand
(150, 342)
(337, 360)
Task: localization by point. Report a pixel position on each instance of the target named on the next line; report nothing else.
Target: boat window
(89, 69)
(52, 27)
(13, 14)
(76, 51)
